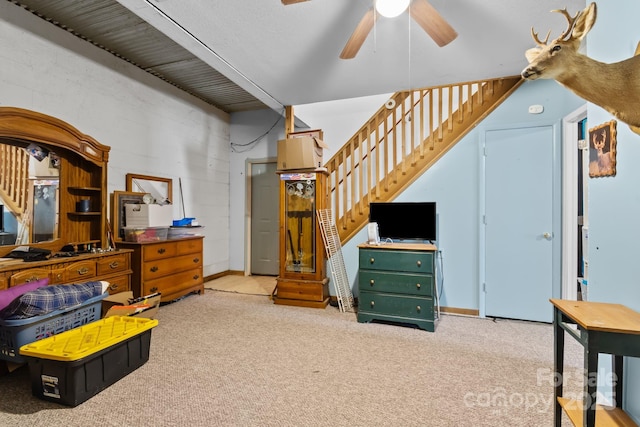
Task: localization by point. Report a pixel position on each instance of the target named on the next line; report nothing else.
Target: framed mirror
(118, 200)
(29, 193)
(161, 189)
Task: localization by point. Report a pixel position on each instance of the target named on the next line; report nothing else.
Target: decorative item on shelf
(83, 205)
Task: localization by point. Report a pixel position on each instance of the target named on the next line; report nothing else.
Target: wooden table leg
(590, 386)
(558, 364)
(617, 369)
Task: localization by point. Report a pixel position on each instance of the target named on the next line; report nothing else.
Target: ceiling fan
(421, 11)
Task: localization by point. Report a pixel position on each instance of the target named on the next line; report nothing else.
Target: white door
(519, 218)
(265, 187)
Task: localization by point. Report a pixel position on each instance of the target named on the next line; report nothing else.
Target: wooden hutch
(82, 163)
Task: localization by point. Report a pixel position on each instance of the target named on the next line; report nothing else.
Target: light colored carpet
(227, 359)
(249, 285)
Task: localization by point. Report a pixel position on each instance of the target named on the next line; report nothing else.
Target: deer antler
(570, 19)
(537, 40)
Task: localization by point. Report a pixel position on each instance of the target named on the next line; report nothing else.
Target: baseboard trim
(464, 311)
(333, 300)
(224, 273)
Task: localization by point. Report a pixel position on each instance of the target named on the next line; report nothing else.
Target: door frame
(557, 220)
(247, 209)
(570, 202)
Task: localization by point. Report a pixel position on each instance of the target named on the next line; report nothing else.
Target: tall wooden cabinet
(172, 267)
(302, 279)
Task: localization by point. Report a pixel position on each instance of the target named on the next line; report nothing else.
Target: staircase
(14, 179)
(403, 139)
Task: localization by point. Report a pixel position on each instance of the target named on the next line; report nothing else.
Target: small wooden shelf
(84, 213)
(88, 189)
(606, 416)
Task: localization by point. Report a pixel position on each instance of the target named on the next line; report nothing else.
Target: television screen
(404, 220)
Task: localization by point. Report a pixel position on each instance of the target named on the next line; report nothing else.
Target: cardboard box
(123, 304)
(300, 153)
(143, 215)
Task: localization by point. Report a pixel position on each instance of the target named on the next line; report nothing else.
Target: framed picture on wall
(118, 200)
(602, 150)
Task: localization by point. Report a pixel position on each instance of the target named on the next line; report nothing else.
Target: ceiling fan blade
(288, 2)
(432, 22)
(359, 35)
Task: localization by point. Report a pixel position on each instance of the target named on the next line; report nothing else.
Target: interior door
(519, 219)
(265, 187)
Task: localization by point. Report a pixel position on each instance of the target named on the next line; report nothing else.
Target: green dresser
(397, 284)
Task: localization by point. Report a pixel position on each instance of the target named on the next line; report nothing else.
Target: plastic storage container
(73, 366)
(177, 232)
(16, 333)
(145, 234)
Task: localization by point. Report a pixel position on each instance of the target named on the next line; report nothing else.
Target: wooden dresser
(112, 266)
(397, 284)
(172, 267)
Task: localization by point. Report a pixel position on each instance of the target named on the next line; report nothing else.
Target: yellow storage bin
(75, 365)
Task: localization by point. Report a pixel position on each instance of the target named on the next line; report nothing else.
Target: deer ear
(585, 21)
(532, 53)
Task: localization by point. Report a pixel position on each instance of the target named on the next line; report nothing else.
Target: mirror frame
(131, 176)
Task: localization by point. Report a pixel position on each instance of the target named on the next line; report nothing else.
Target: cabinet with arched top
(70, 175)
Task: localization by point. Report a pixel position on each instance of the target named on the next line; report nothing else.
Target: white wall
(151, 127)
(254, 136)
(614, 202)
(453, 181)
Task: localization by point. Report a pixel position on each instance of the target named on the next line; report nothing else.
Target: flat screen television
(404, 220)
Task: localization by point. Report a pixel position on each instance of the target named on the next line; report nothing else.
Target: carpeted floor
(249, 285)
(227, 359)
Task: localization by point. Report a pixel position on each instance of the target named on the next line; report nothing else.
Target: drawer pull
(372, 260)
(418, 308)
(113, 287)
(419, 263)
(372, 282)
(153, 290)
(114, 264)
(196, 276)
(59, 276)
(196, 260)
(154, 269)
(161, 250)
(373, 303)
(82, 271)
(417, 285)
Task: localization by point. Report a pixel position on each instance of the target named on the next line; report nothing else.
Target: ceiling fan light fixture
(391, 8)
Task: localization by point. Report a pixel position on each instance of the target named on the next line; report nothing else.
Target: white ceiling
(242, 55)
(288, 55)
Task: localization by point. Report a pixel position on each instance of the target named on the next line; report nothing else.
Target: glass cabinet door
(300, 223)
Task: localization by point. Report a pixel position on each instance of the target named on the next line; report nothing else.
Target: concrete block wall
(151, 127)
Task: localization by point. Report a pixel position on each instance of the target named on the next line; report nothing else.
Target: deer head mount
(614, 87)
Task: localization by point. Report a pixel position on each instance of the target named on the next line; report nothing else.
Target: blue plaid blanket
(50, 298)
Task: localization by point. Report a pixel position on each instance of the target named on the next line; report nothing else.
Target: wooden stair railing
(401, 141)
(14, 178)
